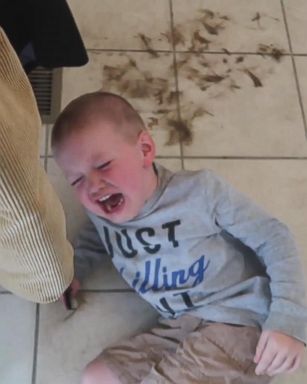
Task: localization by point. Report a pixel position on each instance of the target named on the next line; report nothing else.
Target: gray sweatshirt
(201, 247)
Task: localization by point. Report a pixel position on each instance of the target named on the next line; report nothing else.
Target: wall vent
(46, 84)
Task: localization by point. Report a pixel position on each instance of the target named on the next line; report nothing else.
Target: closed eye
(75, 182)
(104, 165)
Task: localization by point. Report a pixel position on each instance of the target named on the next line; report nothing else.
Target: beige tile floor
(208, 63)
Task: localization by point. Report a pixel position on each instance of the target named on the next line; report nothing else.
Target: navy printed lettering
(186, 299)
(166, 284)
(131, 252)
(108, 242)
(198, 270)
(150, 248)
(143, 288)
(166, 307)
(155, 286)
(179, 278)
(136, 280)
(157, 278)
(154, 274)
(171, 231)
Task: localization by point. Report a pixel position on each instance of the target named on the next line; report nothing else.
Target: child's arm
(89, 251)
(284, 328)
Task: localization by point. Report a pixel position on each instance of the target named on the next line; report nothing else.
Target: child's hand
(277, 353)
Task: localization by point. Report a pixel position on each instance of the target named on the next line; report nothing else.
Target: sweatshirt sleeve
(274, 245)
(89, 251)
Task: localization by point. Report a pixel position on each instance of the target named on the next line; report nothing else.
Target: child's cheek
(82, 196)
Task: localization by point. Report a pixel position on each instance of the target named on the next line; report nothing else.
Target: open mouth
(111, 203)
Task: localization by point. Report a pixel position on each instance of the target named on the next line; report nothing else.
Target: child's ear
(148, 148)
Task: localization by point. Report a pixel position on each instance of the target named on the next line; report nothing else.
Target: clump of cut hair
(96, 107)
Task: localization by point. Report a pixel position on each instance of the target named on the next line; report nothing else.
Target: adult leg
(35, 257)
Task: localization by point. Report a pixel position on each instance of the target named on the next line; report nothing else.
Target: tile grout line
(108, 290)
(294, 67)
(229, 53)
(36, 333)
(245, 157)
(223, 157)
(176, 76)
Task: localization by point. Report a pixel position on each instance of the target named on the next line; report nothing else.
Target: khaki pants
(36, 260)
(187, 351)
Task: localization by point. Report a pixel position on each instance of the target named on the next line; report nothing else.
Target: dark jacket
(43, 32)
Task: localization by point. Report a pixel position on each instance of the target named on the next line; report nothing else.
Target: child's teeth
(104, 198)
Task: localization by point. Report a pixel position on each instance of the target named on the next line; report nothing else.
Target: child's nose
(95, 183)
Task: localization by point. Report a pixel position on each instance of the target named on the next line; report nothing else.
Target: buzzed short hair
(97, 106)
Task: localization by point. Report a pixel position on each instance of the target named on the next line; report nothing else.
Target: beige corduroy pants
(36, 260)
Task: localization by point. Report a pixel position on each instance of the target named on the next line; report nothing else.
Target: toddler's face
(107, 172)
